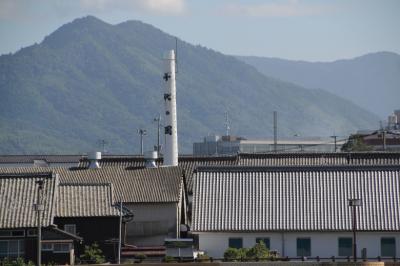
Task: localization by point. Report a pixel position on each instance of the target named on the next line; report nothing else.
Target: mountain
(372, 81)
(90, 81)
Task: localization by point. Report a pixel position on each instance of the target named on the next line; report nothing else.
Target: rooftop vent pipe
(94, 158)
(150, 158)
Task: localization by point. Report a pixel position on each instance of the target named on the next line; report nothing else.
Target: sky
(307, 30)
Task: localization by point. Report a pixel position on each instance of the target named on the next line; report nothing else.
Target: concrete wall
(322, 244)
(152, 223)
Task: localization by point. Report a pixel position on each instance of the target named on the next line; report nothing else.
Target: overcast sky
(294, 29)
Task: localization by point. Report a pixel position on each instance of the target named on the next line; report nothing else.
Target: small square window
(303, 247)
(345, 246)
(388, 247)
(265, 240)
(235, 242)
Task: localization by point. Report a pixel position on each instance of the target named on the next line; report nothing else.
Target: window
(12, 233)
(61, 247)
(265, 240)
(235, 242)
(303, 247)
(388, 247)
(345, 246)
(70, 228)
(47, 246)
(12, 248)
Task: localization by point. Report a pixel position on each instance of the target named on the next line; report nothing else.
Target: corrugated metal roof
(18, 194)
(85, 200)
(161, 184)
(296, 199)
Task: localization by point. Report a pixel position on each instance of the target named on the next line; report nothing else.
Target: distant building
(225, 145)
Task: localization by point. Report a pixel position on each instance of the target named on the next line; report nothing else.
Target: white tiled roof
(295, 198)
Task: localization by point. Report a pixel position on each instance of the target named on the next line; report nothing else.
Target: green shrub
(93, 255)
(203, 257)
(169, 259)
(231, 254)
(140, 257)
(258, 252)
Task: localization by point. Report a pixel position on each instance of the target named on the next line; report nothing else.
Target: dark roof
(295, 198)
(18, 194)
(48, 158)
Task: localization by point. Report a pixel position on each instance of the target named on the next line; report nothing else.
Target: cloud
(165, 7)
(9, 9)
(291, 8)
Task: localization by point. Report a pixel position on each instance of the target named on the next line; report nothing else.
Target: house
(157, 198)
(18, 219)
(89, 210)
(298, 210)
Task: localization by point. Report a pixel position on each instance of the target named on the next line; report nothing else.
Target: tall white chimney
(171, 133)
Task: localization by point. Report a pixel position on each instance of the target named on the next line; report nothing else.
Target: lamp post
(141, 132)
(38, 208)
(353, 203)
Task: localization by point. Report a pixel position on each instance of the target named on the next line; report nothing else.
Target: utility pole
(353, 203)
(103, 144)
(120, 233)
(275, 131)
(335, 140)
(384, 140)
(39, 208)
(158, 120)
(141, 132)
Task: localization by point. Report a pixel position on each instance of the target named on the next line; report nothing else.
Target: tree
(356, 143)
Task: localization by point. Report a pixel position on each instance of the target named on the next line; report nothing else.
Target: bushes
(258, 252)
(15, 262)
(93, 255)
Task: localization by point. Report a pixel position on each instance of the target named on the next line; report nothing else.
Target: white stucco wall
(152, 223)
(323, 244)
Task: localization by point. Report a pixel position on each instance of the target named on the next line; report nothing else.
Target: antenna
(227, 123)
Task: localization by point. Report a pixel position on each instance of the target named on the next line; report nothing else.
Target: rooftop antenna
(227, 123)
(103, 143)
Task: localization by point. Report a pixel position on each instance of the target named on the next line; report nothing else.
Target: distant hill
(371, 81)
(90, 80)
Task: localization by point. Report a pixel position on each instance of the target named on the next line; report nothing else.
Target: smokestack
(171, 133)
(94, 158)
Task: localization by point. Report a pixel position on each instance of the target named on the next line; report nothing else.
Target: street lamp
(353, 203)
(141, 132)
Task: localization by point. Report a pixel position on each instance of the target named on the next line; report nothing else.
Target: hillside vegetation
(90, 80)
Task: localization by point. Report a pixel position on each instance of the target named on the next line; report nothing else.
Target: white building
(299, 210)
(216, 145)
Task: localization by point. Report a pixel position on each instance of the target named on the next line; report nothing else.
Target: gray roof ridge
(295, 168)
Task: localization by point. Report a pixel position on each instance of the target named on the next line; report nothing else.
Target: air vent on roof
(94, 158)
(150, 158)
